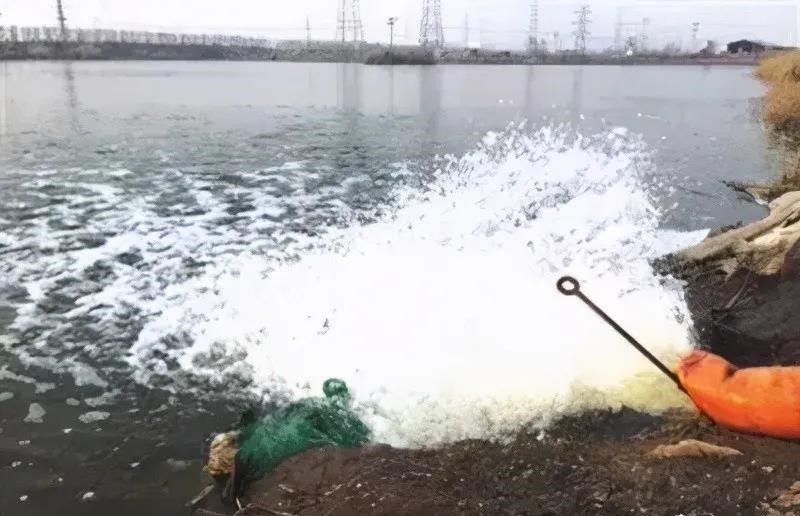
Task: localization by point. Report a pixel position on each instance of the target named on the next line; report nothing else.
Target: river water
(225, 230)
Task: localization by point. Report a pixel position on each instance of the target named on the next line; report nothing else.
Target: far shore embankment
(331, 52)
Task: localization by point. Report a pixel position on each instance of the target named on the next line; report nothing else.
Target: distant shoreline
(329, 52)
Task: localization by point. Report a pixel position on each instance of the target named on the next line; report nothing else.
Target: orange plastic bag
(763, 400)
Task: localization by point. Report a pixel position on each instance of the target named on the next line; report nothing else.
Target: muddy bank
(599, 463)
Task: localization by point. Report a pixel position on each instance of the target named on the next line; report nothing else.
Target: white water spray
(443, 317)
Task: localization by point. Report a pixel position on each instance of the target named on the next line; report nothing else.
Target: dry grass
(780, 68)
(782, 105)
(781, 112)
(781, 74)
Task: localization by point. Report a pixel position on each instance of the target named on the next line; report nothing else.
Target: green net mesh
(303, 425)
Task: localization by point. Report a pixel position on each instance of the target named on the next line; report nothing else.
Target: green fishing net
(303, 425)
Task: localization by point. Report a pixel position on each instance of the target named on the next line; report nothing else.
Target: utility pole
(582, 28)
(391, 23)
(62, 20)
(308, 32)
(695, 30)
(431, 32)
(533, 29)
(556, 42)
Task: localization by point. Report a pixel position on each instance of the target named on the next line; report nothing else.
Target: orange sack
(762, 400)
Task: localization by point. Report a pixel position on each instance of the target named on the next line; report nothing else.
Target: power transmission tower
(348, 21)
(308, 31)
(533, 28)
(62, 20)
(582, 28)
(695, 30)
(643, 35)
(431, 32)
(556, 41)
(618, 31)
(358, 27)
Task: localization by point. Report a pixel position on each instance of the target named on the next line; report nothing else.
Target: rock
(5, 396)
(72, 402)
(693, 448)
(35, 413)
(790, 498)
(222, 454)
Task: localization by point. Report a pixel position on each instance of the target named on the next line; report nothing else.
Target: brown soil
(595, 464)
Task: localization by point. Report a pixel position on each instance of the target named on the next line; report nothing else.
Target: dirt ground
(594, 464)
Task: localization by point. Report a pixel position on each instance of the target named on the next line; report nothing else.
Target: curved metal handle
(569, 286)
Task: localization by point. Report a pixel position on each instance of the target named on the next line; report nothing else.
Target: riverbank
(598, 464)
(329, 52)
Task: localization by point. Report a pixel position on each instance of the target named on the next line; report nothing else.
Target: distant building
(746, 46)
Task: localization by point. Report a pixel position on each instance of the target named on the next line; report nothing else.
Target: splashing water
(443, 316)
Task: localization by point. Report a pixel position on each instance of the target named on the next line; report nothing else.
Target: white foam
(36, 414)
(40, 387)
(93, 416)
(443, 316)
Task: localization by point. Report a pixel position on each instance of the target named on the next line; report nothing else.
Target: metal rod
(569, 286)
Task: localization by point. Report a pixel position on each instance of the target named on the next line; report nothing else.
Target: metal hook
(569, 286)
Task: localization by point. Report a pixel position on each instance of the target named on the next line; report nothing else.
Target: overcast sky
(499, 23)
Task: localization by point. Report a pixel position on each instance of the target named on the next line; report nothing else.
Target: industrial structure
(62, 20)
(533, 28)
(581, 32)
(348, 22)
(431, 31)
(750, 47)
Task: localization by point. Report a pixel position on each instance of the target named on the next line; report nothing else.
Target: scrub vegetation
(781, 74)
